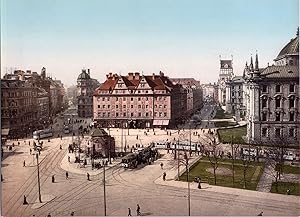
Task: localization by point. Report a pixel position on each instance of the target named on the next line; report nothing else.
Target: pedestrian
(72, 213)
(69, 159)
(24, 163)
(53, 179)
(288, 191)
(67, 175)
(164, 176)
(161, 165)
(88, 176)
(48, 215)
(199, 184)
(129, 212)
(60, 147)
(260, 214)
(25, 201)
(138, 209)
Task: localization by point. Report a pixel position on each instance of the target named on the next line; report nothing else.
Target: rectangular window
(160, 114)
(108, 114)
(124, 106)
(117, 114)
(165, 106)
(264, 89)
(140, 106)
(131, 99)
(277, 132)
(264, 116)
(155, 114)
(139, 99)
(277, 88)
(98, 106)
(146, 98)
(146, 106)
(264, 103)
(147, 114)
(131, 106)
(165, 114)
(117, 98)
(264, 132)
(140, 114)
(103, 106)
(277, 103)
(103, 114)
(124, 114)
(124, 98)
(291, 132)
(292, 116)
(103, 98)
(117, 106)
(131, 114)
(291, 103)
(277, 116)
(108, 106)
(292, 88)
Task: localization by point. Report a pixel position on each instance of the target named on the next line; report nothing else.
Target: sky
(182, 38)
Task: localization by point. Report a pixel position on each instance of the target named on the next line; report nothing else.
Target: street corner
(45, 199)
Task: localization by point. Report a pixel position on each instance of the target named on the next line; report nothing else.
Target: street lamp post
(38, 171)
(104, 190)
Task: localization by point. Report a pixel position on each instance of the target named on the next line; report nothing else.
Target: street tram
(40, 134)
(142, 156)
(130, 161)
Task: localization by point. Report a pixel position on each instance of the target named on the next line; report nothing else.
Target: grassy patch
(252, 175)
(222, 115)
(224, 123)
(236, 133)
(291, 169)
(284, 186)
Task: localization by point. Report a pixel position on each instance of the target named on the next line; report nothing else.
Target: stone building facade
(136, 101)
(85, 89)
(225, 74)
(273, 98)
(18, 106)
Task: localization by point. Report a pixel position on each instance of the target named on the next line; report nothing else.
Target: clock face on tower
(226, 66)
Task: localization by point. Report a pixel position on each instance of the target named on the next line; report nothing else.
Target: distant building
(137, 101)
(19, 110)
(85, 89)
(273, 98)
(226, 74)
(210, 92)
(191, 94)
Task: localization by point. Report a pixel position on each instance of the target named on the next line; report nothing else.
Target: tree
(275, 159)
(212, 151)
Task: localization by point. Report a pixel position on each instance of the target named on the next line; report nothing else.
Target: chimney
(88, 72)
(137, 75)
(161, 73)
(130, 76)
(153, 76)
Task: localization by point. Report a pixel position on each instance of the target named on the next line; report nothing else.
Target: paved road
(126, 188)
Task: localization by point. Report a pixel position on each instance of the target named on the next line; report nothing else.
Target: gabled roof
(156, 82)
(99, 133)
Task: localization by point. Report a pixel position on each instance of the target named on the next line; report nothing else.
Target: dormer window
(277, 88)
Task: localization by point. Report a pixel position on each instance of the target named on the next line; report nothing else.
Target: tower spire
(251, 63)
(256, 62)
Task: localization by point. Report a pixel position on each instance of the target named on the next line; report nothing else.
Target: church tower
(225, 74)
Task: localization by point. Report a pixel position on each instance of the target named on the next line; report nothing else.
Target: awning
(4, 132)
(160, 122)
